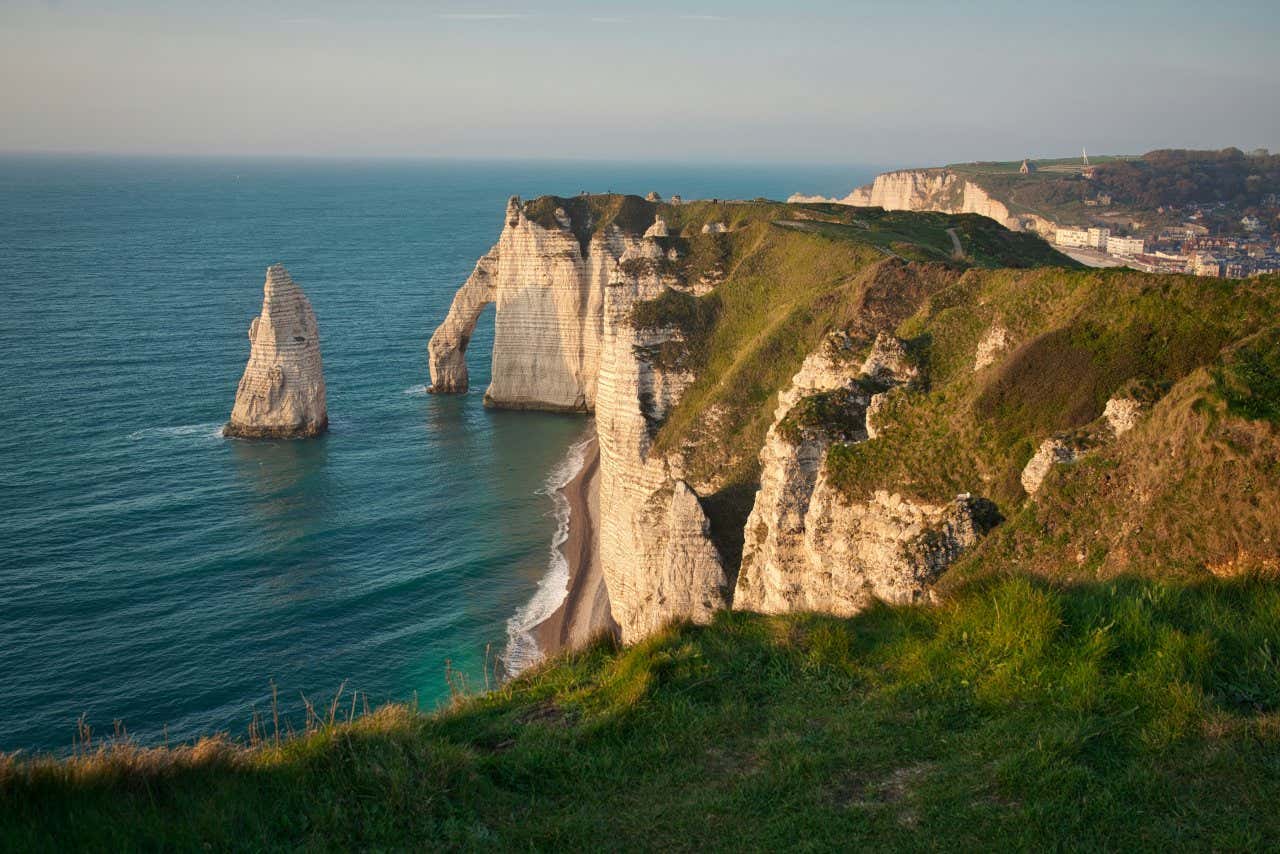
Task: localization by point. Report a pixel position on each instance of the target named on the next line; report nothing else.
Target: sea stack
(281, 395)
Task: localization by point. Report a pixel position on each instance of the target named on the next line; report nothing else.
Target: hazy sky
(886, 83)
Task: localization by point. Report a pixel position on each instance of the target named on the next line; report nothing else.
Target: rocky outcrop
(658, 229)
(995, 342)
(886, 547)
(547, 286)
(935, 190)
(809, 547)
(888, 362)
(1119, 416)
(281, 394)
(1122, 414)
(1050, 453)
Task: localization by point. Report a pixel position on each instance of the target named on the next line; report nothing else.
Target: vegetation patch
(590, 214)
(838, 415)
(690, 318)
(1017, 715)
(1249, 381)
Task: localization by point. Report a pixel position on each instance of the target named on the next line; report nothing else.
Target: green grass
(1133, 715)
(1249, 381)
(1077, 339)
(785, 275)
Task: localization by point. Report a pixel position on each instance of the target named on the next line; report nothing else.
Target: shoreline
(584, 612)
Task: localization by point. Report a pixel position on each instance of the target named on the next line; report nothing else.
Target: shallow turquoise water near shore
(154, 573)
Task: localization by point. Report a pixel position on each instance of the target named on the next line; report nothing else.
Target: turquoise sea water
(156, 574)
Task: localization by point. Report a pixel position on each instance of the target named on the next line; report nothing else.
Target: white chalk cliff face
(281, 394)
(656, 552)
(934, 190)
(563, 341)
(807, 546)
(549, 299)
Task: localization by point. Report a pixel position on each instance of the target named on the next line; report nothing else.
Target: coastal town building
(1127, 246)
(1204, 264)
(1072, 237)
(1098, 237)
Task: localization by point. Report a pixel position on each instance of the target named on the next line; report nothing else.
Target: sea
(161, 581)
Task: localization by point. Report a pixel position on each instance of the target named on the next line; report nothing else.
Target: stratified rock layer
(282, 394)
(656, 552)
(548, 291)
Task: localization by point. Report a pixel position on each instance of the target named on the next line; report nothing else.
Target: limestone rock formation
(548, 287)
(991, 346)
(879, 402)
(809, 547)
(715, 228)
(281, 394)
(658, 229)
(564, 292)
(887, 547)
(888, 362)
(1050, 453)
(656, 552)
(1121, 414)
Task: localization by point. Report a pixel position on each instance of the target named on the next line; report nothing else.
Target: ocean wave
(416, 390)
(209, 430)
(522, 649)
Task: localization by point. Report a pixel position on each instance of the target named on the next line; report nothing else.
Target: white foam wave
(210, 430)
(522, 648)
(416, 390)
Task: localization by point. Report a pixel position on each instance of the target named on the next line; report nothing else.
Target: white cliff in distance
(935, 190)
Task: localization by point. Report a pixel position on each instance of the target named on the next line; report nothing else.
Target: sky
(873, 82)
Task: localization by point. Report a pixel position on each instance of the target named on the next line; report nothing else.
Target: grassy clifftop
(1194, 485)
(1015, 716)
(783, 276)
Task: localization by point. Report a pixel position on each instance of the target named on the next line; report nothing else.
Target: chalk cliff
(547, 285)
(655, 548)
(935, 190)
(564, 288)
(281, 394)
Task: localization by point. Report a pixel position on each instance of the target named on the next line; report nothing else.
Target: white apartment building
(1204, 264)
(1098, 237)
(1071, 237)
(1128, 246)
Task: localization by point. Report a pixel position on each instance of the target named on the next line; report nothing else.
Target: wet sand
(584, 613)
